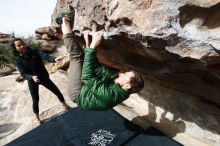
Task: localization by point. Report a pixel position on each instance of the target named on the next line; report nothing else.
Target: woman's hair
(137, 82)
(13, 45)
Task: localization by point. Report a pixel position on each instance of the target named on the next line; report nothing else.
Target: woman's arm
(21, 69)
(47, 57)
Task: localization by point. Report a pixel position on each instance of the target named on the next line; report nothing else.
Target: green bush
(33, 45)
(6, 55)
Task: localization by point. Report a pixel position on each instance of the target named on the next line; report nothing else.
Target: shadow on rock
(172, 127)
(7, 129)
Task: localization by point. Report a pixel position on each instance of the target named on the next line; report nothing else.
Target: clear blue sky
(23, 17)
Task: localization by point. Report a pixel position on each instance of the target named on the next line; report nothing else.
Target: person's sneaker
(68, 15)
(39, 121)
(66, 106)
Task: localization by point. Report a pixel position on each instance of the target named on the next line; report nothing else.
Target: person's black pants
(34, 90)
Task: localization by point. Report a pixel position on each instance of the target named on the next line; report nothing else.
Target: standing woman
(31, 67)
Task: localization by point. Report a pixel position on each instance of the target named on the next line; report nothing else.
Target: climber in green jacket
(90, 84)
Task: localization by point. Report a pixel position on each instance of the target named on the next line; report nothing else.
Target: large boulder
(165, 39)
(64, 64)
(5, 38)
(6, 69)
(47, 33)
(47, 38)
(47, 46)
(175, 44)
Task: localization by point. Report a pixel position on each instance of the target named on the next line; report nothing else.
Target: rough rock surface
(47, 46)
(46, 33)
(175, 44)
(47, 38)
(64, 65)
(16, 116)
(176, 114)
(5, 38)
(6, 69)
(50, 42)
(175, 41)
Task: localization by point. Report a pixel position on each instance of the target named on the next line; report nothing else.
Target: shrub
(33, 45)
(6, 55)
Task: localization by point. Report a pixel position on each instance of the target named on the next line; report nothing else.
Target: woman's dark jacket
(31, 64)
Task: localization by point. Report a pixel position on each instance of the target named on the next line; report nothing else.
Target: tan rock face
(5, 38)
(6, 69)
(51, 42)
(48, 38)
(163, 38)
(64, 65)
(47, 46)
(47, 33)
(174, 43)
(16, 116)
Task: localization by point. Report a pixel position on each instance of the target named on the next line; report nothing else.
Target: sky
(23, 17)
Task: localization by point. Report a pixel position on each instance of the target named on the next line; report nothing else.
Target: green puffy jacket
(98, 92)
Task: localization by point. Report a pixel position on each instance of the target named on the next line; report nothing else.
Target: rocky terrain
(5, 68)
(174, 44)
(16, 116)
(5, 38)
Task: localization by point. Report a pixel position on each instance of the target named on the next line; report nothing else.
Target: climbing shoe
(68, 16)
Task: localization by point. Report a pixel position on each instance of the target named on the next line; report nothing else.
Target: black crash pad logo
(101, 138)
